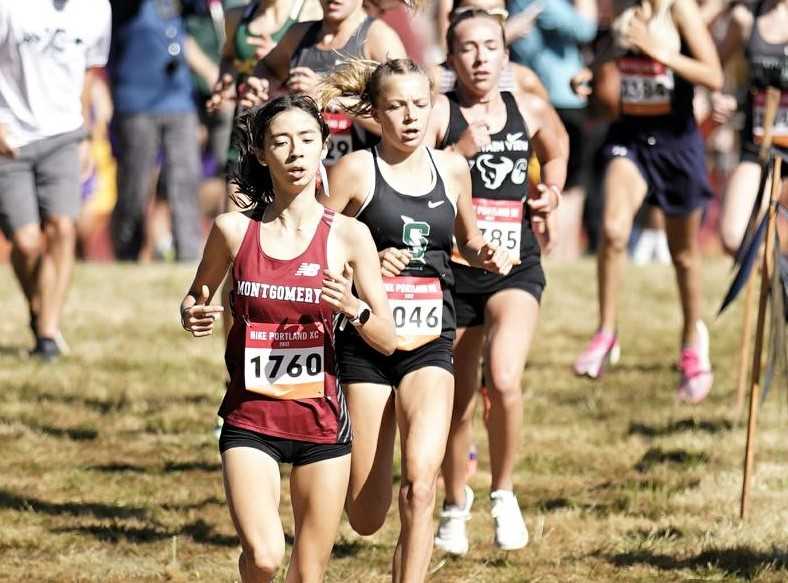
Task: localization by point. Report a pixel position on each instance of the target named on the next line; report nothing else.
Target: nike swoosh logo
(435, 203)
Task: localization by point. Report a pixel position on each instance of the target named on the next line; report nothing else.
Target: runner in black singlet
(284, 404)
(655, 154)
(764, 36)
(497, 133)
(413, 200)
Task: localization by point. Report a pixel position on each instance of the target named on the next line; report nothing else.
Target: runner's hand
(722, 107)
(635, 33)
(6, 150)
(302, 80)
(497, 259)
(393, 261)
(338, 292)
(581, 82)
(199, 318)
(542, 205)
(222, 92)
(253, 92)
(473, 139)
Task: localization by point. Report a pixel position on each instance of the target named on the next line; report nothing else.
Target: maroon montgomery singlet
(280, 350)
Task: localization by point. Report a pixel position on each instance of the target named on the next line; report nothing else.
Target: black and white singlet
(499, 174)
(420, 297)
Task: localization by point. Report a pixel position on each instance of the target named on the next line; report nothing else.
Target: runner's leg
(511, 316)
(317, 491)
(371, 408)
(625, 189)
(467, 355)
(251, 484)
(423, 406)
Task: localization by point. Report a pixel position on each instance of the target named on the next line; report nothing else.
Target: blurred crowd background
(152, 142)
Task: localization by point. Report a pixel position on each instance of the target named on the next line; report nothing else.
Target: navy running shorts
(672, 162)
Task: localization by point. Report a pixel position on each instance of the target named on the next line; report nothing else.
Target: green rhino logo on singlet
(414, 236)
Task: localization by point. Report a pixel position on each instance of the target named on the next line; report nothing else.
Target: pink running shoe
(603, 349)
(695, 368)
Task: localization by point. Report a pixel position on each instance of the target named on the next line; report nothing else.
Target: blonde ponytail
(361, 80)
(350, 79)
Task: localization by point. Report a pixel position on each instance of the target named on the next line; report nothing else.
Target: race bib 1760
(285, 361)
(646, 86)
(417, 307)
(500, 221)
(780, 127)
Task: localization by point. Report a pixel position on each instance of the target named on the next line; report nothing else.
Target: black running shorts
(284, 451)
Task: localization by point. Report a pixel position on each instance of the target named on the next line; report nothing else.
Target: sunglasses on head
(468, 11)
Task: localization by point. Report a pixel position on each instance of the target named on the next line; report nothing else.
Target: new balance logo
(308, 269)
(435, 203)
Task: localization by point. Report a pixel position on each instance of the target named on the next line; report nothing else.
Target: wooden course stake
(755, 384)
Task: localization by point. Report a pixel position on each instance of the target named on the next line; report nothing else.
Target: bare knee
(684, 259)
(261, 561)
(27, 242)
(419, 493)
(506, 387)
(616, 235)
(61, 228)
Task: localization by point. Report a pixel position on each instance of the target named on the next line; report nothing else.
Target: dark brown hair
(252, 178)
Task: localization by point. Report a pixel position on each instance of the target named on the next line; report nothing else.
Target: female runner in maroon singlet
(283, 404)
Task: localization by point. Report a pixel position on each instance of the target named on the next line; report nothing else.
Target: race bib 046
(646, 86)
(417, 308)
(285, 361)
(500, 221)
(780, 128)
(340, 142)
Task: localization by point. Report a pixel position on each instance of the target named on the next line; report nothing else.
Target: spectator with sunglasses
(154, 109)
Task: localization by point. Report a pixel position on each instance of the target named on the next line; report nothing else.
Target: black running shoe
(46, 349)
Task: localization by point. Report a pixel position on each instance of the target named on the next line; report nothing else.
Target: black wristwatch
(363, 314)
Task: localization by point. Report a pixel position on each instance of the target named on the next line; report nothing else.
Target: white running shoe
(510, 531)
(451, 536)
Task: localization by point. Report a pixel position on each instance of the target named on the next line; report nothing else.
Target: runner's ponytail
(361, 81)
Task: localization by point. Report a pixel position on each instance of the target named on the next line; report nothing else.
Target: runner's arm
(378, 331)
(197, 316)
(470, 241)
(347, 183)
(703, 68)
(549, 139)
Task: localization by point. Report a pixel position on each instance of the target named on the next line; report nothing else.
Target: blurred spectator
(551, 49)
(46, 47)
(154, 108)
(205, 27)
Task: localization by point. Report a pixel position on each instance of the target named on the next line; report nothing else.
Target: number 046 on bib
(285, 361)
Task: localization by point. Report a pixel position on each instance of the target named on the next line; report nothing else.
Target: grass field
(109, 471)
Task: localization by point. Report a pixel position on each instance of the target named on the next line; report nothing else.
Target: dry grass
(110, 472)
